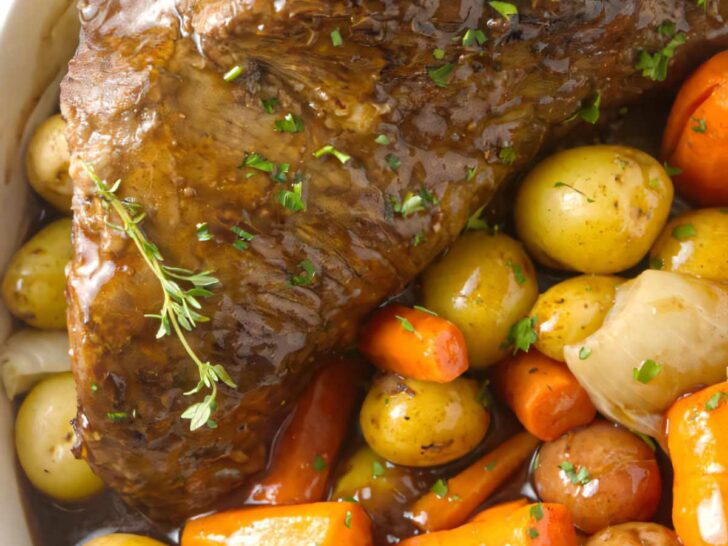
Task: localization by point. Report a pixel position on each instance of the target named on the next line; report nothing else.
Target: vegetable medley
(613, 375)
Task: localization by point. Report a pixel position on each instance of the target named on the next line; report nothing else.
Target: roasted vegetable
(483, 285)
(635, 534)
(417, 423)
(370, 479)
(594, 209)
(47, 163)
(572, 310)
(666, 335)
(44, 437)
(696, 135)
(121, 539)
(30, 355)
(602, 473)
(695, 242)
(35, 281)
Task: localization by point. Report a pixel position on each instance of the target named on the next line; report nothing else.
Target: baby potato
(121, 539)
(483, 285)
(47, 163)
(695, 243)
(593, 209)
(44, 437)
(571, 311)
(417, 423)
(34, 284)
(602, 473)
(635, 534)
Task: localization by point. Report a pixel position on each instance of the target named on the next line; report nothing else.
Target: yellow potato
(416, 423)
(34, 284)
(571, 311)
(44, 437)
(47, 163)
(484, 284)
(370, 479)
(635, 534)
(121, 539)
(695, 243)
(593, 209)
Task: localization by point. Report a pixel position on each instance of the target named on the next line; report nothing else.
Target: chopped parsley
(590, 111)
(94, 387)
(256, 161)
(347, 519)
(306, 276)
(330, 150)
(393, 161)
(580, 477)
(472, 172)
(672, 171)
(505, 9)
(425, 310)
(336, 38)
(572, 188)
(438, 54)
(490, 466)
(116, 416)
(657, 263)
(533, 532)
(507, 155)
(584, 353)
(648, 370)
(377, 469)
(517, 271)
(280, 173)
(407, 326)
(475, 222)
(700, 125)
(292, 199)
(243, 238)
(319, 463)
(203, 232)
(382, 139)
(233, 74)
(441, 75)
(473, 37)
(291, 123)
(521, 335)
(269, 105)
(413, 202)
(440, 488)
(536, 511)
(654, 65)
(716, 400)
(683, 232)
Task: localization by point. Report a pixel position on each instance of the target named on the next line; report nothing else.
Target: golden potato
(121, 539)
(34, 284)
(47, 163)
(44, 437)
(416, 423)
(484, 284)
(696, 243)
(571, 311)
(635, 534)
(593, 209)
(370, 479)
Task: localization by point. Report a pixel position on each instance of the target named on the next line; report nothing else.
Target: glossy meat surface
(146, 103)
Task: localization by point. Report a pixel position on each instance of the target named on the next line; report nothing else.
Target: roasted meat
(147, 102)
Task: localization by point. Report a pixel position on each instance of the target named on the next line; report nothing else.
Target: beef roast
(146, 103)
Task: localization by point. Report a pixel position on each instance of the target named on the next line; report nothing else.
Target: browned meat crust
(146, 103)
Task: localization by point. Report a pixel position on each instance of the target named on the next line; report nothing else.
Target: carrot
(306, 450)
(466, 491)
(697, 437)
(499, 511)
(540, 524)
(321, 523)
(696, 136)
(414, 343)
(544, 395)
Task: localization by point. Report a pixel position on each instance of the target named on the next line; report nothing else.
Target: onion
(30, 355)
(679, 322)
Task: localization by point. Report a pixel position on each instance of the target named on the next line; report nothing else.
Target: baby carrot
(414, 343)
(544, 394)
(697, 437)
(306, 450)
(321, 523)
(499, 511)
(466, 491)
(540, 524)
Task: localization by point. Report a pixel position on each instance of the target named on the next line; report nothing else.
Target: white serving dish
(37, 37)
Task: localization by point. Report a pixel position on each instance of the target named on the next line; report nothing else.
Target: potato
(121, 539)
(695, 243)
(416, 423)
(483, 285)
(594, 209)
(44, 437)
(47, 163)
(34, 284)
(602, 473)
(635, 534)
(572, 310)
(374, 482)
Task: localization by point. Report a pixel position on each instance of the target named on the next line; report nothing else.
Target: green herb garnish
(256, 161)
(382, 139)
(292, 199)
(682, 232)
(347, 519)
(536, 511)
(521, 335)
(517, 271)
(716, 400)
(473, 37)
(336, 38)
(270, 104)
(440, 488)
(654, 65)
(407, 326)
(393, 161)
(648, 370)
(441, 75)
(377, 469)
(203, 232)
(330, 150)
(425, 310)
(243, 238)
(117, 416)
(505, 9)
(584, 353)
(672, 171)
(306, 276)
(700, 125)
(507, 155)
(590, 111)
(580, 477)
(233, 74)
(291, 123)
(319, 463)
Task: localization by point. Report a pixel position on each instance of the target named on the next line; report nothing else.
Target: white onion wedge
(30, 355)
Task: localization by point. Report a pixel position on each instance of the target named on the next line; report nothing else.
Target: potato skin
(47, 162)
(34, 284)
(634, 534)
(483, 285)
(418, 423)
(703, 254)
(122, 539)
(571, 311)
(44, 437)
(625, 482)
(593, 209)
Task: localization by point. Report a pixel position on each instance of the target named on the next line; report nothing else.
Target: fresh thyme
(180, 307)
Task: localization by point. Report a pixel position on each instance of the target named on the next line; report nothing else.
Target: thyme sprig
(181, 289)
